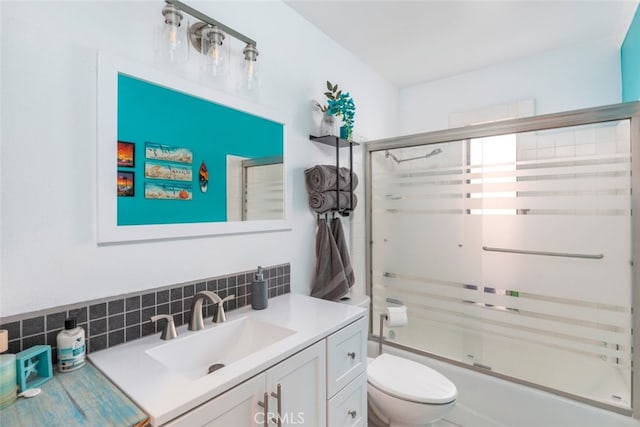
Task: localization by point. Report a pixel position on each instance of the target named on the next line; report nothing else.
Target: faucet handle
(169, 331)
(220, 316)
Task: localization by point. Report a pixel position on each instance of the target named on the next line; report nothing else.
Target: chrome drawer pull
(265, 405)
(352, 355)
(352, 413)
(278, 395)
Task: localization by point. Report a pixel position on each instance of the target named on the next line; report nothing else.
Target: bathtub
(486, 401)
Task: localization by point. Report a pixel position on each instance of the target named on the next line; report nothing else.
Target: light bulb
(212, 38)
(214, 51)
(214, 54)
(173, 36)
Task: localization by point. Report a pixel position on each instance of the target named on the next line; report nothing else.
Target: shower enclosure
(513, 246)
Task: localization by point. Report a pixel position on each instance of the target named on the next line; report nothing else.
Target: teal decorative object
(344, 132)
(33, 366)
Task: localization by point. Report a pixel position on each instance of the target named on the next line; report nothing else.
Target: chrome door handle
(265, 405)
(352, 355)
(278, 395)
(353, 413)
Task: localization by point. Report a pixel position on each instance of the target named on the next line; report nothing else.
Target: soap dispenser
(71, 346)
(259, 291)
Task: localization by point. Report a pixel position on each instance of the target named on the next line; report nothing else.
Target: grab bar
(560, 254)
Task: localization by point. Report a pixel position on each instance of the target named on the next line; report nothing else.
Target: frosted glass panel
(262, 196)
(512, 253)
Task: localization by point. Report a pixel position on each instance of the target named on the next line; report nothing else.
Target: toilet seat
(409, 380)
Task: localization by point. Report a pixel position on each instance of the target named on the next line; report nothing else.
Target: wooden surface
(79, 398)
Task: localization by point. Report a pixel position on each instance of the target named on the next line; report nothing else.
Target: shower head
(433, 152)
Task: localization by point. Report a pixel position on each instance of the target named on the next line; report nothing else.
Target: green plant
(341, 105)
(332, 94)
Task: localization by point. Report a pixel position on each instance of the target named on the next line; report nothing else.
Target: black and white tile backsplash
(112, 321)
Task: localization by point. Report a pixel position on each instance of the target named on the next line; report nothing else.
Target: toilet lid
(409, 380)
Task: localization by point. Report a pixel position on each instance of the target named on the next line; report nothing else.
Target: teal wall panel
(630, 61)
(154, 114)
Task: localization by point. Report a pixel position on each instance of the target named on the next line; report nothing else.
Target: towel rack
(336, 141)
(326, 215)
(558, 254)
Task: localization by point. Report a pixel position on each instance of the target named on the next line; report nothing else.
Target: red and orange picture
(126, 154)
(126, 183)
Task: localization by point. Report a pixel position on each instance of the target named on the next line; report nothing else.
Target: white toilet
(406, 393)
(402, 392)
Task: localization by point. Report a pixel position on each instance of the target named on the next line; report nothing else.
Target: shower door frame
(625, 111)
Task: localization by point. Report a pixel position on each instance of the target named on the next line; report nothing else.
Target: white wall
(580, 76)
(49, 252)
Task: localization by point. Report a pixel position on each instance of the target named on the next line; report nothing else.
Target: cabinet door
(236, 407)
(347, 355)
(302, 384)
(348, 408)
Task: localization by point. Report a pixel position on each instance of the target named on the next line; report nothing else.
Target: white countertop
(164, 394)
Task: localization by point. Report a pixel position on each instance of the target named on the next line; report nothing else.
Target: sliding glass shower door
(512, 252)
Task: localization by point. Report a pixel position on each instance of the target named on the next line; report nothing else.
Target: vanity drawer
(349, 406)
(346, 355)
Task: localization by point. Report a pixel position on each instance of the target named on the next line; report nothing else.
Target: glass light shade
(171, 37)
(215, 53)
(250, 69)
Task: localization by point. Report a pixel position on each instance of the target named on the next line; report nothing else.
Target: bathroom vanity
(302, 361)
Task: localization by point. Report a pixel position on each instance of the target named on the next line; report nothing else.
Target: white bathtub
(485, 401)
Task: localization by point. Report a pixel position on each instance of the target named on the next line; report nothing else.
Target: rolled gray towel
(325, 201)
(323, 178)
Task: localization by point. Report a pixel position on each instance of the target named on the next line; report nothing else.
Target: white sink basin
(226, 343)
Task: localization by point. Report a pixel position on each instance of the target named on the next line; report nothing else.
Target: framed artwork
(167, 191)
(126, 184)
(168, 171)
(165, 152)
(126, 154)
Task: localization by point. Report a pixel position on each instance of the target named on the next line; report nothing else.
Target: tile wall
(112, 321)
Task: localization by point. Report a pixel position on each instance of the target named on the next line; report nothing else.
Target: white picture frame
(108, 230)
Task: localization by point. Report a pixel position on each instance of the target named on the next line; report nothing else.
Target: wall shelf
(332, 140)
(336, 141)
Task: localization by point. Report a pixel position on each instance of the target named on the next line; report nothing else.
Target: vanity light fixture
(214, 52)
(171, 40)
(209, 37)
(250, 67)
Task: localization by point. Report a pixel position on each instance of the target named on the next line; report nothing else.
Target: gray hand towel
(329, 281)
(323, 178)
(341, 243)
(325, 201)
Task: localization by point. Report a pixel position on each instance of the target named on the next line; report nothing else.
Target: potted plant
(341, 105)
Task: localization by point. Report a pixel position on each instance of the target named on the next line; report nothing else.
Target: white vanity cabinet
(323, 385)
(349, 406)
(294, 388)
(236, 407)
(301, 380)
(312, 350)
(346, 376)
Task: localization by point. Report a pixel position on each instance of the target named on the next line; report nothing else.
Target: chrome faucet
(197, 322)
